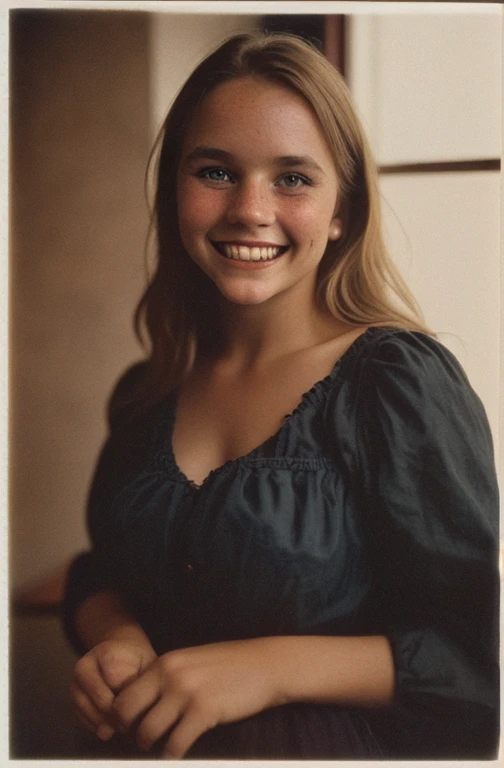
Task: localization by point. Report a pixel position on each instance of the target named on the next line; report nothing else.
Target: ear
(335, 228)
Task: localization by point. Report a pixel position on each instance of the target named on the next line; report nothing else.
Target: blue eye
(215, 174)
(294, 180)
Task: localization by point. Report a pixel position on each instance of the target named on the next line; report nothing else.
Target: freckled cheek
(197, 210)
(310, 222)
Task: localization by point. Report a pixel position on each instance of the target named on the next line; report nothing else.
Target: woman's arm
(102, 617)
(114, 647)
(195, 689)
(90, 572)
(425, 478)
(356, 671)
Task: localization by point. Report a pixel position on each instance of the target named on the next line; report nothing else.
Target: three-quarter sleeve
(90, 572)
(427, 484)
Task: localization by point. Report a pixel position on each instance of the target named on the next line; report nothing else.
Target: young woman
(279, 574)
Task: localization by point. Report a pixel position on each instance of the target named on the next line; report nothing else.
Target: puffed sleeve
(89, 573)
(429, 496)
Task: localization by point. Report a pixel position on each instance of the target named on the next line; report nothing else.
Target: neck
(252, 334)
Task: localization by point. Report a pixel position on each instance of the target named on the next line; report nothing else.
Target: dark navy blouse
(373, 510)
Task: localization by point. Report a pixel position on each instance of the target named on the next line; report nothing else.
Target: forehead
(257, 114)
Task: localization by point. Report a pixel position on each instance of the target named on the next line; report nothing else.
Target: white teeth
(244, 253)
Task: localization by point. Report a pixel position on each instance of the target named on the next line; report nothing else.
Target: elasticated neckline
(313, 396)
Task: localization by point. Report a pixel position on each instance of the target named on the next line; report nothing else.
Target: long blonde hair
(357, 281)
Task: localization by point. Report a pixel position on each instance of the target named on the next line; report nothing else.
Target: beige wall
(79, 147)
(428, 84)
(177, 43)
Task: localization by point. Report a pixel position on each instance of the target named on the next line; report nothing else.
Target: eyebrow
(293, 161)
(285, 161)
(209, 153)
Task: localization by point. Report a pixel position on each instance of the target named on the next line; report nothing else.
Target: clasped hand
(180, 694)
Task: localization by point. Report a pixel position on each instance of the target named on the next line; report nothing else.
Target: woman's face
(257, 192)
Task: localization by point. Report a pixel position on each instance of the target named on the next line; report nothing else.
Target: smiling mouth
(236, 252)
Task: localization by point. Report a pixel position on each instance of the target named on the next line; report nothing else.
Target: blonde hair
(357, 281)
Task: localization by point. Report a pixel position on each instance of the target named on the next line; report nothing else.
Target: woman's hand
(194, 689)
(100, 675)
(119, 651)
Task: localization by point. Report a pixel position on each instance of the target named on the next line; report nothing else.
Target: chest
(225, 411)
(222, 416)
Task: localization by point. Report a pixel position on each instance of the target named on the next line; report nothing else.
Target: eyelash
(204, 173)
(304, 179)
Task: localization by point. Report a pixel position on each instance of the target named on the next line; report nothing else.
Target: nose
(251, 204)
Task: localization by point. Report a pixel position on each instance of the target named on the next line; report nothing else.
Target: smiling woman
(289, 526)
(270, 193)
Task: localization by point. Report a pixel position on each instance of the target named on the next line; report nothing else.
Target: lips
(241, 252)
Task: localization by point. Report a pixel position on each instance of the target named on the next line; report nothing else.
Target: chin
(247, 295)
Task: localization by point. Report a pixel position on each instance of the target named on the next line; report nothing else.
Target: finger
(104, 731)
(84, 706)
(157, 722)
(118, 669)
(134, 700)
(90, 680)
(85, 721)
(189, 728)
